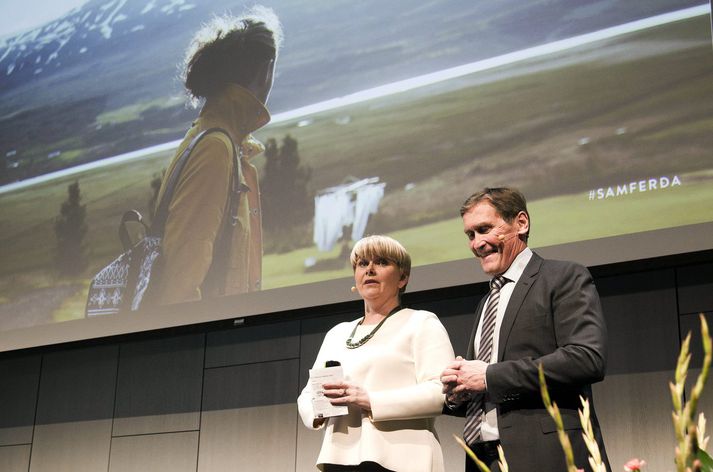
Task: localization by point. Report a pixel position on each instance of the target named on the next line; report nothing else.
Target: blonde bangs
(372, 247)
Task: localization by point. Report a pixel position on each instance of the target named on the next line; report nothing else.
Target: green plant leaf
(706, 461)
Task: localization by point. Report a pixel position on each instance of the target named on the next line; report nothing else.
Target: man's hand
(463, 377)
(449, 377)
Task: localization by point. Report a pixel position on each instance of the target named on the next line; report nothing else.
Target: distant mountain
(103, 78)
(331, 48)
(97, 29)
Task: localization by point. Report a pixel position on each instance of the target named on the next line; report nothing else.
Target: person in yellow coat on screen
(229, 66)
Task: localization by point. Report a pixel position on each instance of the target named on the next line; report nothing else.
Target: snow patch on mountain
(81, 30)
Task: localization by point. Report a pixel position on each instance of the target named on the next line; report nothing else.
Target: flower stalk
(482, 465)
(595, 455)
(554, 412)
(691, 441)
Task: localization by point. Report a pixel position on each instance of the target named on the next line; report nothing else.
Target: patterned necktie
(476, 407)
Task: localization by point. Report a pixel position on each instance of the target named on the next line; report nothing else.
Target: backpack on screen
(126, 283)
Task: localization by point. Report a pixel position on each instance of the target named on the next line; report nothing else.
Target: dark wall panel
(77, 385)
(159, 385)
(249, 417)
(20, 377)
(458, 316)
(633, 401)
(252, 385)
(74, 410)
(642, 320)
(248, 344)
(695, 288)
(312, 335)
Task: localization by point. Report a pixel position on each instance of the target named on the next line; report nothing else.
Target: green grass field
(554, 220)
(556, 127)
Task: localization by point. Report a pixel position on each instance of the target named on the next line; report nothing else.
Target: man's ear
(522, 222)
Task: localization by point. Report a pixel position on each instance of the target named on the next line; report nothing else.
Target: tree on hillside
(70, 227)
(286, 201)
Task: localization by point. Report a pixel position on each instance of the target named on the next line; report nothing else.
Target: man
(537, 312)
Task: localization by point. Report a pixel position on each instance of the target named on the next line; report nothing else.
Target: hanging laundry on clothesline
(349, 204)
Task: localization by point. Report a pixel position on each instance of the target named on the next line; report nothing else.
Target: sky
(17, 15)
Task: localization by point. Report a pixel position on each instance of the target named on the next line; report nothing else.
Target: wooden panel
(309, 443)
(641, 316)
(634, 412)
(238, 439)
(249, 417)
(453, 454)
(81, 446)
(159, 386)
(74, 410)
(18, 398)
(169, 452)
(695, 288)
(15, 458)
(248, 344)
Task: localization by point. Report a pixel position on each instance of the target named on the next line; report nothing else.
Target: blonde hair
(372, 247)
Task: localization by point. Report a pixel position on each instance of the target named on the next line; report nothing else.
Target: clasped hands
(461, 379)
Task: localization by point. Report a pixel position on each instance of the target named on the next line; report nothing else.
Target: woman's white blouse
(400, 369)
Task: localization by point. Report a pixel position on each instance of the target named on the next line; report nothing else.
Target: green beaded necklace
(362, 341)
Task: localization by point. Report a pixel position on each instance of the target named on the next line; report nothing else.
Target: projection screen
(385, 117)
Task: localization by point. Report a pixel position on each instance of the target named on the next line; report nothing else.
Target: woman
(229, 66)
(392, 358)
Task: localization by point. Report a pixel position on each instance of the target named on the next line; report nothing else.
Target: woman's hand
(345, 393)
